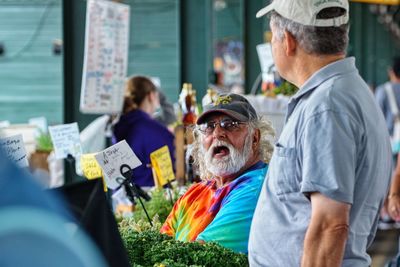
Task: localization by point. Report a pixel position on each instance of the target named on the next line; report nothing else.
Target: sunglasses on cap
(229, 125)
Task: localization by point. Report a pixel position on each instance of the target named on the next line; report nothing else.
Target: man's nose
(219, 131)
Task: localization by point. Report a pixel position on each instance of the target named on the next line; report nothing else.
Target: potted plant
(44, 146)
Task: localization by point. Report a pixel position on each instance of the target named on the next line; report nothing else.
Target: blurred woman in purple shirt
(139, 129)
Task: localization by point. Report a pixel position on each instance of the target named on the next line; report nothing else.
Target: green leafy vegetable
(161, 204)
(147, 247)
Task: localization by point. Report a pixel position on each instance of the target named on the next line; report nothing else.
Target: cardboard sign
(65, 138)
(14, 148)
(111, 160)
(162, 165)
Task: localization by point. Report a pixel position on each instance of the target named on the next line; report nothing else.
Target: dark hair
(396, 66)
(137, 88)
(316, 40)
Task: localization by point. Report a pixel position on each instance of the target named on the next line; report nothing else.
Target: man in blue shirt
(330, 170)
(382, 97)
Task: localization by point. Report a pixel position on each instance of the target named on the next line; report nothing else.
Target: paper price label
(162, 165)
(14, 148)
(90, 168)
(66, 141)
(111, 160)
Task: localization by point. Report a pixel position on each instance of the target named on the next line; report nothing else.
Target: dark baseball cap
(233, 105)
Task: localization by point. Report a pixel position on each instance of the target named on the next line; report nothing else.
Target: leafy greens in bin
(146, 246)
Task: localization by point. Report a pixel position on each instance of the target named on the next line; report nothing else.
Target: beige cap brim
(265, 10)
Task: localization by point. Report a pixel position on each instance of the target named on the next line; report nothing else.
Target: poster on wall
(105, 59)
(264, 52)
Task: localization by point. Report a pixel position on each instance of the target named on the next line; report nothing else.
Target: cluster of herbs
(146, 246)
(161, 203)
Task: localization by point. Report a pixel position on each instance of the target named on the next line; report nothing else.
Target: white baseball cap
(305, 11)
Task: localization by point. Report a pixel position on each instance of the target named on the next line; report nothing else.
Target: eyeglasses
(226, 124)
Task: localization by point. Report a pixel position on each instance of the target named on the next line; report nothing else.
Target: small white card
(66, 140)
(111, 160)
(4, 124)
(14, 148)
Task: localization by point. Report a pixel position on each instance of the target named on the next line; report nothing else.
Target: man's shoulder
(200, 186)
(253, 176)
(338, 96)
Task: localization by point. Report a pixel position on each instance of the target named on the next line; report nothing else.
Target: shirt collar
(339, 67)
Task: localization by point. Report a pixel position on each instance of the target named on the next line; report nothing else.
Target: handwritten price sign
(66, 140)
(90, 168)
(111, 160)
(162, 165)
(14, 148)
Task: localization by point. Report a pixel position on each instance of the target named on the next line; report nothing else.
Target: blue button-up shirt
(335, 142)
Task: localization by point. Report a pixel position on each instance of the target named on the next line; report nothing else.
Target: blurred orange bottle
(188, 102)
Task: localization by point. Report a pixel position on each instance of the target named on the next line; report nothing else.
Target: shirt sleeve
(328, 146)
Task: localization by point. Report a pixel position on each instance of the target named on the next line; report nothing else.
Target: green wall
(30, 75)
(371, 44)
(154, 42)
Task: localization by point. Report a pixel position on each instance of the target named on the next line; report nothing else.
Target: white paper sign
(105, 59)
(66, 140)
(14, 148)
(266, 61)
(111, 160)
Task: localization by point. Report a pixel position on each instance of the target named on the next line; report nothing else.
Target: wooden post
(180, 154)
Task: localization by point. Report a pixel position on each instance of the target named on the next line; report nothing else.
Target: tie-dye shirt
(222, 215)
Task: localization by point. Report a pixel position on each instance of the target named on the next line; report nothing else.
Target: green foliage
(147, 247)
(160, 204)
(286, 88)
(44, 143)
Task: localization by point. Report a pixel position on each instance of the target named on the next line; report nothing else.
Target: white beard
(229, 164)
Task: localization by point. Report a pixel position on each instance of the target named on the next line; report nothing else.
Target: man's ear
(256, 138)
(290, 44)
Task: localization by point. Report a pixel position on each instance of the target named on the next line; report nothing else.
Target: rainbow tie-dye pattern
(222, 215)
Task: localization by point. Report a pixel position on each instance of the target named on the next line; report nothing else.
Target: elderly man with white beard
(231, 149)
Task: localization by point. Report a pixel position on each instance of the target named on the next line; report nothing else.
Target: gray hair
(266, 147)
(315, 40)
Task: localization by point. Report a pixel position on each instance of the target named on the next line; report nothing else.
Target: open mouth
(220, 151)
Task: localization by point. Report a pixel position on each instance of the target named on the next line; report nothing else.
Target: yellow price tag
(91, 169)
(162, 165)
